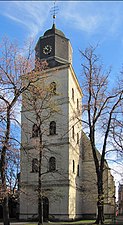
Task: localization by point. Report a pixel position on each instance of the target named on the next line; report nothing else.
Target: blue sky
(83, 22)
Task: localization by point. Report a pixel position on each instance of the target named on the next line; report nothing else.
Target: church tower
(61, 160)
(54, 47)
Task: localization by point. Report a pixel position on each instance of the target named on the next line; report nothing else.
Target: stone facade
(69, 185)
(89, 181)
(61, 187)
(120, 199)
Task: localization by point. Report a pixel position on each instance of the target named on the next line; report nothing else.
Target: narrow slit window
(77, 103)
(73, 166)
(35, 165)
(78, 170)
(73, 132)
(77, 138)
(73, 94)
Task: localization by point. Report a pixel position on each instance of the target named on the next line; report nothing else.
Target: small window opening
(73, 166)
(52, 128)
(78, 170)
(73, 132)
(77, 103)
(53, 88)
(35, 130)
(35, 165)
(52, 164)
(73, 94)
(77, 138)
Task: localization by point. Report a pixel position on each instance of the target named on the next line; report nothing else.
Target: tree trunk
(100, 215)
(100, 202)
(40, 207)
(6, 210)
(40, 198)
(4, 190)
(3, 171)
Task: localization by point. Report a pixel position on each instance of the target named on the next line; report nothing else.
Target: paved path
(119, 219)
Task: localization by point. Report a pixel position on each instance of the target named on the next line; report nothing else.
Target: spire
(54, 11)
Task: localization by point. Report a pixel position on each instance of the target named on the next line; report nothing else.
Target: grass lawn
(108, 221)
(76, 222)
(72, 223)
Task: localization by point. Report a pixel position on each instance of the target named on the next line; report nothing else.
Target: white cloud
(94, 17)
(88, 24)
(90, 17)
(31, 14)
(13, 18)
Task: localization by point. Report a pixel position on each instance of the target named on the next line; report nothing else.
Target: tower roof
(53, 30)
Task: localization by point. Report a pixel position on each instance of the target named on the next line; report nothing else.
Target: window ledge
(52, 171)
(52, 134)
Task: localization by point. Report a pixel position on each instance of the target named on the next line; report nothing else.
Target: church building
(66, 158)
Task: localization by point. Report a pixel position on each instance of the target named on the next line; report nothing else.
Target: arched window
(73, 166)
(53, 88)
(52, 129)
(35, 130)
(77, 103)
(77, 138)
(73, 94)
(52, 164)
(35, 165)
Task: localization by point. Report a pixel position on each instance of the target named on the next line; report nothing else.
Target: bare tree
(16, 74)
(101, 107)
(117, 128)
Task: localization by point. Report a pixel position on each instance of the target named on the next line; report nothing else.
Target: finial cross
(54, 11)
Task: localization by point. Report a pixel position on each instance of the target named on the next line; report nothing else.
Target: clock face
(47, 49)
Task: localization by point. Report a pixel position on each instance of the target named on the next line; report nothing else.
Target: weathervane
(54, 11)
